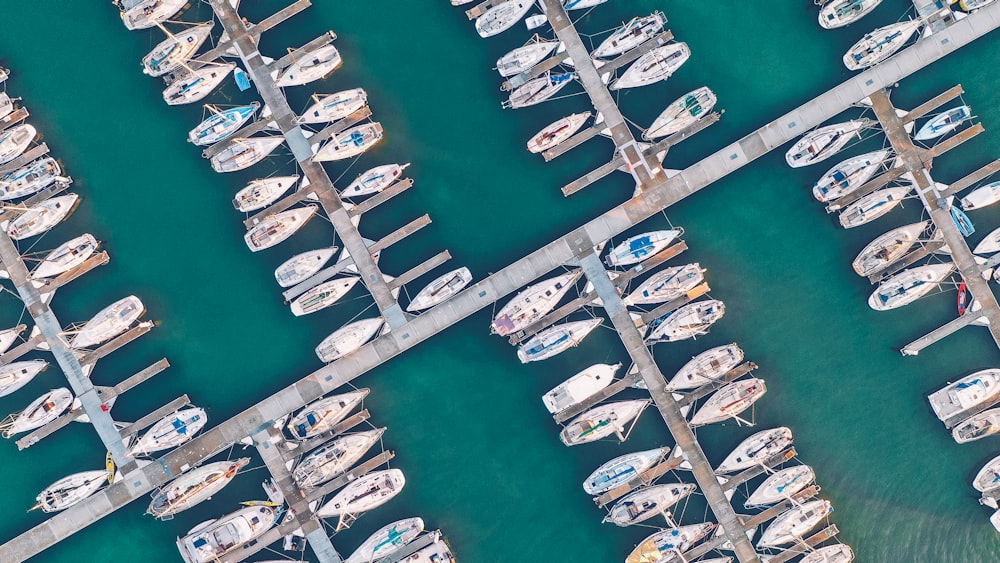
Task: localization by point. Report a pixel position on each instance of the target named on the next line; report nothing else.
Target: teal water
(482, 458)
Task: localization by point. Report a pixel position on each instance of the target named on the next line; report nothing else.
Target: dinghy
(334, 107)
(110, 322)
(525, 57)
(502, 17)
(440, 289)
(40, 412)
(602, 421)
(820, 144)
(908, 286)
(532, 304)
(640, 247)
(706, 367)
(29, 179)
(988, 477)
(880, 44)
(839, 13)
(142, 14)
(176, 49)
(221, 124)
(622, 469)
(374, 180)
(781, 485)
(645, 503)
(348, 338)
(795, 523)
(322, 415)
(873, 206)
(262, 192)
(387, 540)
(579, 387)
(170, 432)
(655, 66)
(982, 196)
(191, 488)
(667, 284)
(848, 175)
(971, 391)
(630, 35)
(211, 540)
(16, 375)
(885, 250)
(729, 401)
(15, 140)
(665, 545)
(302, 266)
(944, 123)
(986, 423)
(555, 340)
(538, 89)
(195, 85)
(244, 152)
(70, 490)
(756, 449)
(42, 217)
(335, 458)
(277, 227)
(349, 143)
(689, 321)
(364, 494)
(65, 257)
(683, 112)
(557, 132)
(308, 67)
(323, 295)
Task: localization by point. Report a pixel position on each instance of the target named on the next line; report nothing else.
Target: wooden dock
(972, 179)
(947, 329)
(925, 250)
(645, 478)
(709, 388)
(627, 381)
(28, 155)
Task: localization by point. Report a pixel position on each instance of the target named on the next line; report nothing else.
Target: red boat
(962, 296)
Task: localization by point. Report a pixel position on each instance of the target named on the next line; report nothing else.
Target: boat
(982, 196)
(221, 124)
(838, 553)
(364, 494)
(538, 90)
(781, 485)
(334, 107)
(349, 143)
(579, 387)
(9, 336)
(193, 487)
(387, 540)
(666, 544)
(323, 295)
(65, 257)
(683, 112)
(555, 340)
(502, 17)
(820, 144)
(969, 5)
(40, 412)
(374, 180)
(15, 140)
(988, 477)
(794, 523)
(335, 458)
(262, 192)
(532, 304)
(437, 552)
(602, 421)
(42, 217)
(848, 175)
(688, 321)
(729, 401)
(581, 4)
(302, 266)
(971, 391)
(6, 104)
(873, 206)
(348, 338)
(885, 250)
(557, 132)
(962, 298)
(706, 367)
(176, 49)
(962, 221)
(622, 469)
(322, 415)
(111, 321)
(211, 540)
(655, 66)
(29, 179)
(986, 423)
(667, 284)
(990, 243)
(525, 57)
(880, 44)
(642, 504)
(196, 84)
(839, 13)
(244, 152)
(308, 67)
(16, 375)
(70, 490)
(277, 227)
(142, 14)
(630, 35)
(170, 432)
(756, 449)
(640, 247)
(944, 123)
(440, 289)
(908, 286)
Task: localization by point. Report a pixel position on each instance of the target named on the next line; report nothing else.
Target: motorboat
(666, 544)
(16, 375)
(440, 289)
(221, 124)
(969, 5)
(29, 179)
(943, 123)
(42, 217)
(111, 321)
(557, 132)
(837, 553)
(885, 250)
(323, 295)
(640, 247)
(173, 51)
(555, 340)
(990, 243)
(40, 412)
(533, 303)
(348, 338)
(142, 14)
(65, 257)
(645, 503)
(262, 192)
(667, 284)
(880, 44)
(348, 143)
(196, 84)
(437, 552)
(70, 490)
(335, 458)
(334, 107)
(622, 469)
(706, 367)
(277, 227)
(191, 488)
(986, 423)
(525, 57)
(756, 449)
(908, 286)
(982, 196)
(387, 540)
(364, 494)
(969, 392)
(686, 322)
(170, 432)
(729, 401)
(244, 152)
(630, 35)
(211, 540)
(302, 266)
(848, 175)
(579, 387)
(794, 523)
(655, 66)
(820, 144)
(502, 17)
(15, 140)
(538, 90)
(602, 421)
(988, 477)
(873, 206)
(322, 415)
(374, 180)
(308, 67)
(839, 13)
(683, 112)
(781, 485)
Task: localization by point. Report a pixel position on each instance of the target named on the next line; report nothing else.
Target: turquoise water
(482, 458)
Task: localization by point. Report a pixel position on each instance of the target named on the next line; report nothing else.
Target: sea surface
(481, 455)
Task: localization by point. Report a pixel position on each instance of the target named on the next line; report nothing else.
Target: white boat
(967, 393)
(374, 180)
(348, 338)
(908, 286)
(335, 458)
(793, 524)
(986, 423)
(630, 35)
(848, 175)
(70, 490)
(982, 196)
(644, 503)
(195, 85)
(364, 494)
(839, 553)
(557, 132)
(667, 284)
(277, 227)
(873, 206)
(555, 340)
(781, 485)
(681, 113)
(756, 449)
(440, 289)
(838, 13)
(990, 243)
(244, 152)
(579, 387)
(211, 540)
(387, 540)
(969, 5)
(334, 107)
(323, 295)
(988, 477)
(656, 65)
(820, 144)
(640, 247)
(502, 17)
(706, 367)
(729, 401)
(9, 336)
(221, 124)
(665, 545)
(880, 44)
(437, 552)
(142, 14)
(15, 140)
(523, 58)
(262, 192)
(538, 90)
(6, 103)
(42, 217)
(111, 321)
(322, 415)
(581, 4)
(622, 469)
(194, 487)
(65, 257)
(170, 432)
(349, 143)
(302, 266)
(308, 67)
(29, 179)
(602, 421)
(887, 249)
(944, 123)
(173, 51)
(16, 375)
(532, 304)
(40, 412)
(688, 321)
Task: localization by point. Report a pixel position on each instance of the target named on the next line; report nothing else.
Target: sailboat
(364, 494)
(990, 243)
(244, 152)
(142, 14)
(908, 286)
(640, 247)
(655, 66)
(838, 553)
(882, 252)
(502, 17)
(848, 175)
(8, 337)
(16, 375)
(795, 523)
(971, 391)
(221, 124)
(602, 421)
(729, 401)
(579, 387)
(781, 485)
(555, 340)
(538, 90)
(323, 295)
(525, 57)
(986, 423)
(349, 143)
(880, 44)
(387, 540)
(40, 412)
(557, 132)
(756, 449)
(630, 35)
(969, 5)
(440, 289)
(839, 13)
(42, 217)
(645, 503)
(322, 415)
(335, 458)
(262, 192)
(111, 321)
(173, 51)
(15, 140)
(70, 490)
(29, 179)
(688, 321)
(944, 123)
(873, 206)
(706, 367)
(666, 544)
(374, 180)
(334, 107)
(170, 432)
(193, 487)
(277, 227)
(820, 144)
(308, 67)
(302, 266)
(212, 539)
(684, 111)
(348, 338)
(532, 304)
(667, 284)
(982, 196)
(196, 84)
(622, 469)
(65, 257)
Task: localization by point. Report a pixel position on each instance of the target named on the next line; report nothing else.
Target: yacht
(640, 247)
(885, 250)
(969, 392)
(16, 375)
(838, 553)
(221, 124)
(197, 84)
(374, 180)
(756, 449)
(302, 266)
(557, 132)
(387, 540)
(191, 488)
(502, 17)
(323, 295)
(176, 49)
(820, 144)
(349, 143)
(211, 540)
(348, 338)
(781, 485)
(142, 14)
(986, 423)
(793, 524)
(655, 66)
(70, 490)
(244, 152)
(681, 113)
(539, 89)
(532, 304)
(334, 107)
(576, 389)
(645, 503)
(944, 123)
(990, 244)
(689, 321)
(65, 257)
(839, 13)
(42, 217)
(364, 494)
(334, 458)
(908, 286)
(108, 323)
(307, 67)
(630, 35)
(322, 415)
(988, 477)
(848, 175)
(729, 401)
(622, 469)
(525, 57)
(667, 284)
(555, 340)
(440, 289)
(982, 196)
(29, 179)
(15, 140)
(706, 367)
(665, 545)
(602, 421)
(170, 432)
(277, 227)
(880, 44)
(40, 412)
(262, 192)
(873, 206)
